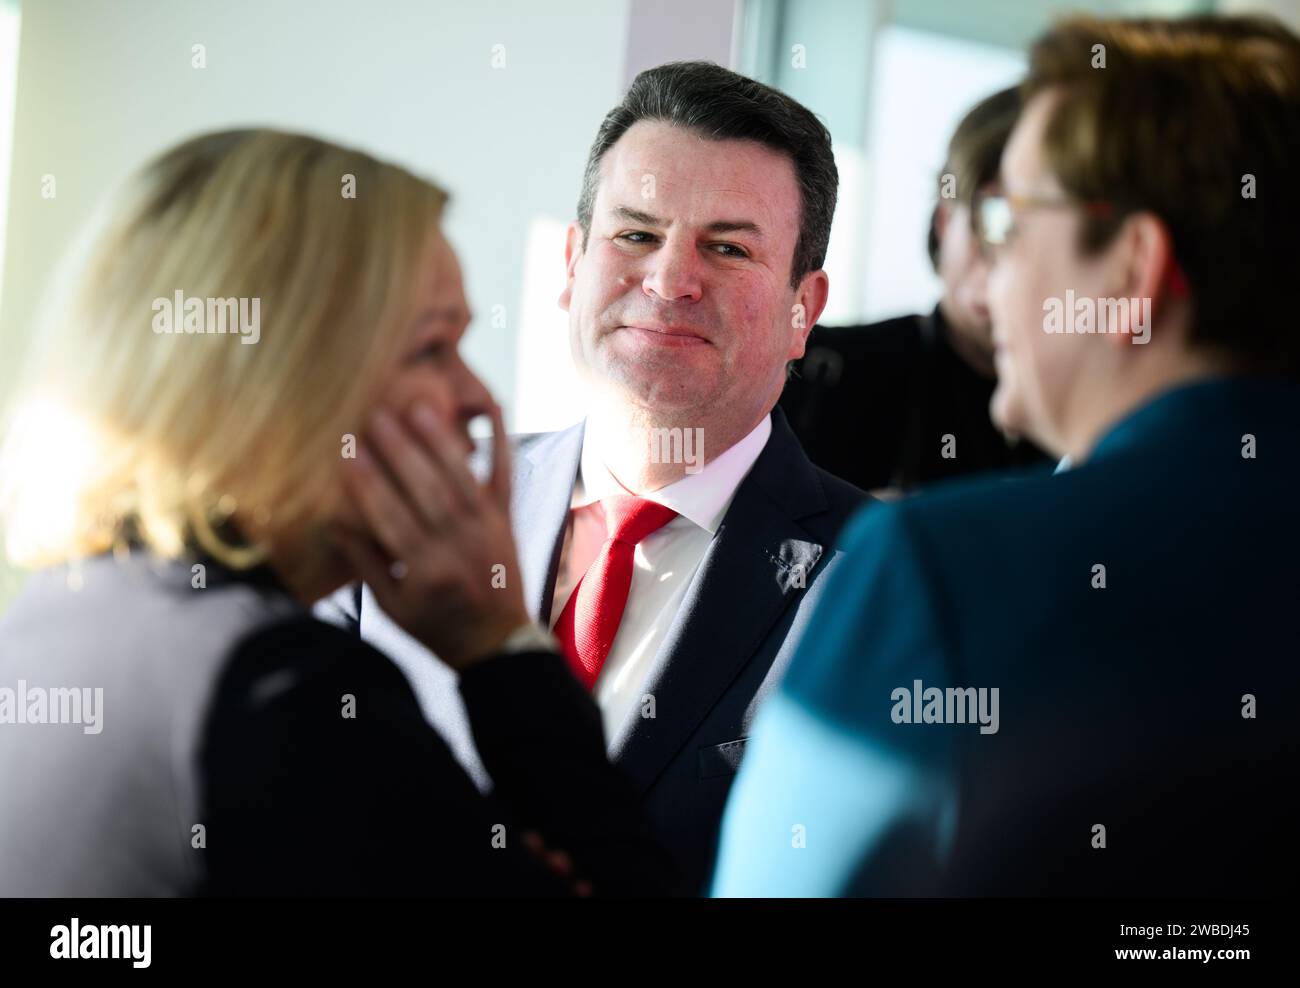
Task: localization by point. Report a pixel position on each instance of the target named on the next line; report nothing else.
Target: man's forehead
(712, 203)
(666, 150)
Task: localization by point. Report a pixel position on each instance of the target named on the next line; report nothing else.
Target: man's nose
(674, 273)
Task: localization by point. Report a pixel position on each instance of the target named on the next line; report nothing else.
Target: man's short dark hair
(722, 105)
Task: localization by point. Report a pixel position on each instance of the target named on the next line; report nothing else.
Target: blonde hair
(125, 433)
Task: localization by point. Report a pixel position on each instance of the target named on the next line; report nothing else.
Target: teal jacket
(1071, 684)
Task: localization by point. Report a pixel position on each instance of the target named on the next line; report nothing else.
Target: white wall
(923, 85)
(102, 86)
(548, 392)
(9, 23)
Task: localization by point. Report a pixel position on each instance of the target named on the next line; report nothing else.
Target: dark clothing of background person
(872, 404)
(224, 708)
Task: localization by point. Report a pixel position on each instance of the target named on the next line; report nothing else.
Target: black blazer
(892, 404)
(247, 748)
(726, 650)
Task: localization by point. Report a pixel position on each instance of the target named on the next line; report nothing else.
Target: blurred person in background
(1077, 684)
(905, 402)
(189, 478)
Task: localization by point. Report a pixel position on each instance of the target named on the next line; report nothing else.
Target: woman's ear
(1152, 255)
(1144, 277)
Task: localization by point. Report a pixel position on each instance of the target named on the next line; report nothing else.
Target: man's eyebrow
(736, 226)
(721, 226)
(636, 216)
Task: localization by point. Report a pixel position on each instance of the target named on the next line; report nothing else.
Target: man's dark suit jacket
(727, 648)
(1160, 705)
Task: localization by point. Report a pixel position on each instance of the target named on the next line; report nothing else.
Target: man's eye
(731, 250)
(636, 237)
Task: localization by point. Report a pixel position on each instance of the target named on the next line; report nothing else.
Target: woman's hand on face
(438, 552)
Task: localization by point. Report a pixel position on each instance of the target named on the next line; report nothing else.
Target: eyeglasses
(995, 210)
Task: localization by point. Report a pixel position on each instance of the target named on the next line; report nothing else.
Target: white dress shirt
(664, 566)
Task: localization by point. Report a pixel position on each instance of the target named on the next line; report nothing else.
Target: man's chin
(660, 393)
(656, 383)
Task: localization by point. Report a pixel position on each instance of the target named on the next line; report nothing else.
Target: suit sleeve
(834, 798)
(321, 776)
(541, 738)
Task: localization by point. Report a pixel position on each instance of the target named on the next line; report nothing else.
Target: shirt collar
(701, 497)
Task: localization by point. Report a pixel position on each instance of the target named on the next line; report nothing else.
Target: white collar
(702, 497)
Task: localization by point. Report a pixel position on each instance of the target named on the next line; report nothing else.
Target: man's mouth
(674, 336)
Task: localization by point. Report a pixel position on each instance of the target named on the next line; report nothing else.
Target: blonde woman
(250, 394)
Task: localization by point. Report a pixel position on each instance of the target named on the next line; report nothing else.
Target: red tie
(589, 621)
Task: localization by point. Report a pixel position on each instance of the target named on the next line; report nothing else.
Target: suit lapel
(754, 568)
(542, 489)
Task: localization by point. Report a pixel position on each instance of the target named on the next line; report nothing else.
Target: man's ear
(939, 217)
(809, 304)
(573, 238)
(1146, 263)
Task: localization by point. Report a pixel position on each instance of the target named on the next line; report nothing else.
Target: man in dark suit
(674, 540)
(1080, 683)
